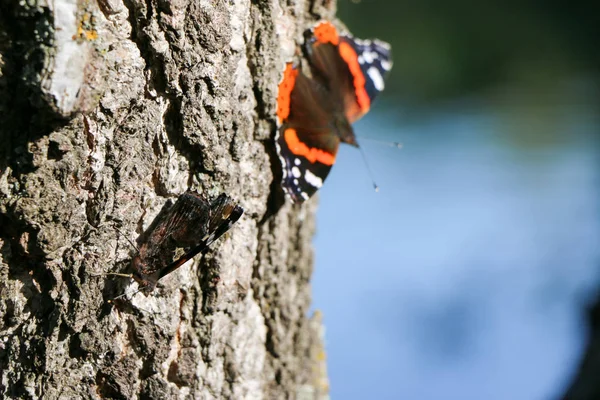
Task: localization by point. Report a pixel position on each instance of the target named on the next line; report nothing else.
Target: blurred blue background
(467, 275)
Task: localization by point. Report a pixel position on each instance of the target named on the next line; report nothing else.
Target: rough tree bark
(108, 110)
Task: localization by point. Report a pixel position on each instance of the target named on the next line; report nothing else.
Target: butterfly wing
(182, 226)
(352, 67)
(308, 138)
(222, 214)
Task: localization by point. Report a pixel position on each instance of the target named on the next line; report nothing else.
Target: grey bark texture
(107, 111)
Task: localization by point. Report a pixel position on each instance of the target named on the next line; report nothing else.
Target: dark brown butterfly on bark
(192, 223)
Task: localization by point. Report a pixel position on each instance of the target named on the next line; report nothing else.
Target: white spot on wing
(370, 56)
(304, 196)
(386, 65)
(376, 78)
(296, 161)
(296, 172)
(280, 155)
(313, 179)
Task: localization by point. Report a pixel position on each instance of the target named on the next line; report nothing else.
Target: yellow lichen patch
(91, 35)
(85, 28)
(321, 356)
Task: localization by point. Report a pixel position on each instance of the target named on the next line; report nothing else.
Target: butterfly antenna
(111, 301)
(397, 145)
(368, 169)
(114, 274)
(123, 295)
(129, 240)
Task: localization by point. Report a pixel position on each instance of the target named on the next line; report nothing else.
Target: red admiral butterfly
(191, 223)
(314, 114)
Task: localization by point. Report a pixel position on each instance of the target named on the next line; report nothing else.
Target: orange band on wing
(300, 149)
(325, 32)
(348, 54)
(285, 91)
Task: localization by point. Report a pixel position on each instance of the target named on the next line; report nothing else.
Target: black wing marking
(375, 60)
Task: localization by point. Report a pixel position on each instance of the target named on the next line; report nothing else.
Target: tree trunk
(107, 111)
